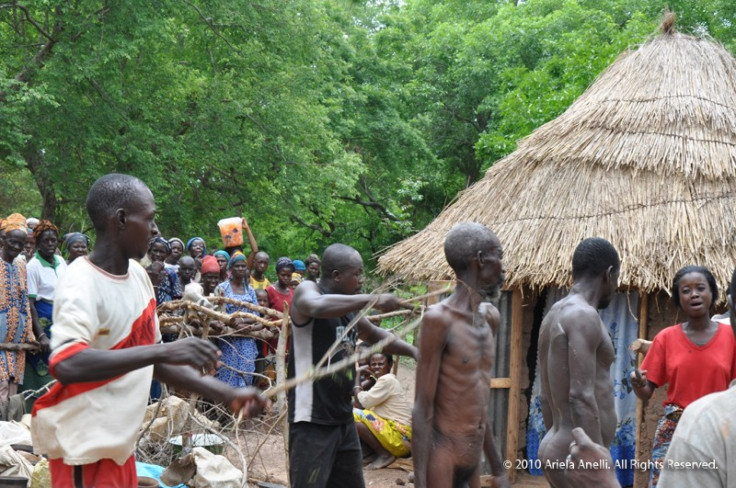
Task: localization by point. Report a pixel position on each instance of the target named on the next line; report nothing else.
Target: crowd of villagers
(35, 255)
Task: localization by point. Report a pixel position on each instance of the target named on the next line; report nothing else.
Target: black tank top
(326, 401)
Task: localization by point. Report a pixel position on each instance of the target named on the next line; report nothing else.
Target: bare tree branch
(314, 227)
(27, 15)
(372, 204)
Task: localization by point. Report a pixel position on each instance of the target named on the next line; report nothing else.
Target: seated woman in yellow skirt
(383, 415)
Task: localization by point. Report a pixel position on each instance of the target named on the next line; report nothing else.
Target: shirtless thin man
(456, 349)
(575, 356)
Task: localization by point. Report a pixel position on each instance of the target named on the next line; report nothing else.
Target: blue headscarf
(237, 256)
(222, 253)
(191, 241)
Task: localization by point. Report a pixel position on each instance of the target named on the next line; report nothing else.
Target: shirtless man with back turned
(456, 347)
(575, 356)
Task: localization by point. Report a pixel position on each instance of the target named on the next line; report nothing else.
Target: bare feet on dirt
(381, 462)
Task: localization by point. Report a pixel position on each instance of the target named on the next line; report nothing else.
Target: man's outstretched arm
(88, 364)
(309, 303)
(372, 334)
(248, 400)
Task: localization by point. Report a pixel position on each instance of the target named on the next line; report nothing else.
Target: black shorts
(325, 456)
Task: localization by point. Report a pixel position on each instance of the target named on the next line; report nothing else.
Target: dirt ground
(269, 464)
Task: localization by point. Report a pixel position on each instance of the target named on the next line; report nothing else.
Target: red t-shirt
(692, 371)
(276, 299)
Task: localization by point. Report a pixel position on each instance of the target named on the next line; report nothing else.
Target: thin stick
(396, 313)
(238, 448)
(345, 332)
(315, 374)
(281, 405)
(282, 416)
(426, 295)
(281, 358)
(12, 346)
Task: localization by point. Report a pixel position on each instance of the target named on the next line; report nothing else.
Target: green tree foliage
(351, 121)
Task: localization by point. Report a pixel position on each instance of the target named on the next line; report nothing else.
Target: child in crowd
(264, 362)
(262, 297)
(187, 270)
(260, 264)
(296, 279)
(299, 267)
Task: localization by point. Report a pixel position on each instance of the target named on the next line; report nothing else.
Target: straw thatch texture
(645, 158)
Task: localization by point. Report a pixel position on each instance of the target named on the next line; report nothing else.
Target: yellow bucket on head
(231, 230)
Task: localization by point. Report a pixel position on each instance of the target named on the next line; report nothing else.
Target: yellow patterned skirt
(393, 436)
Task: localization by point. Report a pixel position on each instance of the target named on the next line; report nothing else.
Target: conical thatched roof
(645, 158)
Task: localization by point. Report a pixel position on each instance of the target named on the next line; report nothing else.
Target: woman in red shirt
(695, 358)
(279, 294)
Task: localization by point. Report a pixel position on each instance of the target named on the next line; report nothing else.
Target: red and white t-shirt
(85, 422)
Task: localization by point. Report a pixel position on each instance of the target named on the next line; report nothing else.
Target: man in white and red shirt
(106, 348)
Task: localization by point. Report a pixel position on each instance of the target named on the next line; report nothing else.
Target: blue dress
(237, 352)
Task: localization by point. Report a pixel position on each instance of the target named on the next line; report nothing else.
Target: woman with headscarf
(177, 251)
(165, 281)
(238, 353)
(196, 247)
(15, 313)
(223, 258)
(43, 271)
(313, 264)
(75, 245)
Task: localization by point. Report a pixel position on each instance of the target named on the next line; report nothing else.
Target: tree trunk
(35, 163)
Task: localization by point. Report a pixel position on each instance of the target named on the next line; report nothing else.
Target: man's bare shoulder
(305, 289)
(303, 293)
(438, 316)
(573, 311)
(491, 314)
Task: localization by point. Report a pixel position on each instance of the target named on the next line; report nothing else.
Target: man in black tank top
(324, 449)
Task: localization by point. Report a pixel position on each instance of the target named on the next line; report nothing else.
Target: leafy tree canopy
(318, 121)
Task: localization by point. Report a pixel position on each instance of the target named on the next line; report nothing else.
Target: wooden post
(640, 477)
(281, 404)
(512, 428)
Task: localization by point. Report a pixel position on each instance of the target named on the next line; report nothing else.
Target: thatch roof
(645, 158)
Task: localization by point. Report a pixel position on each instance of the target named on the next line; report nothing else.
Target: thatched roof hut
(645, 158)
